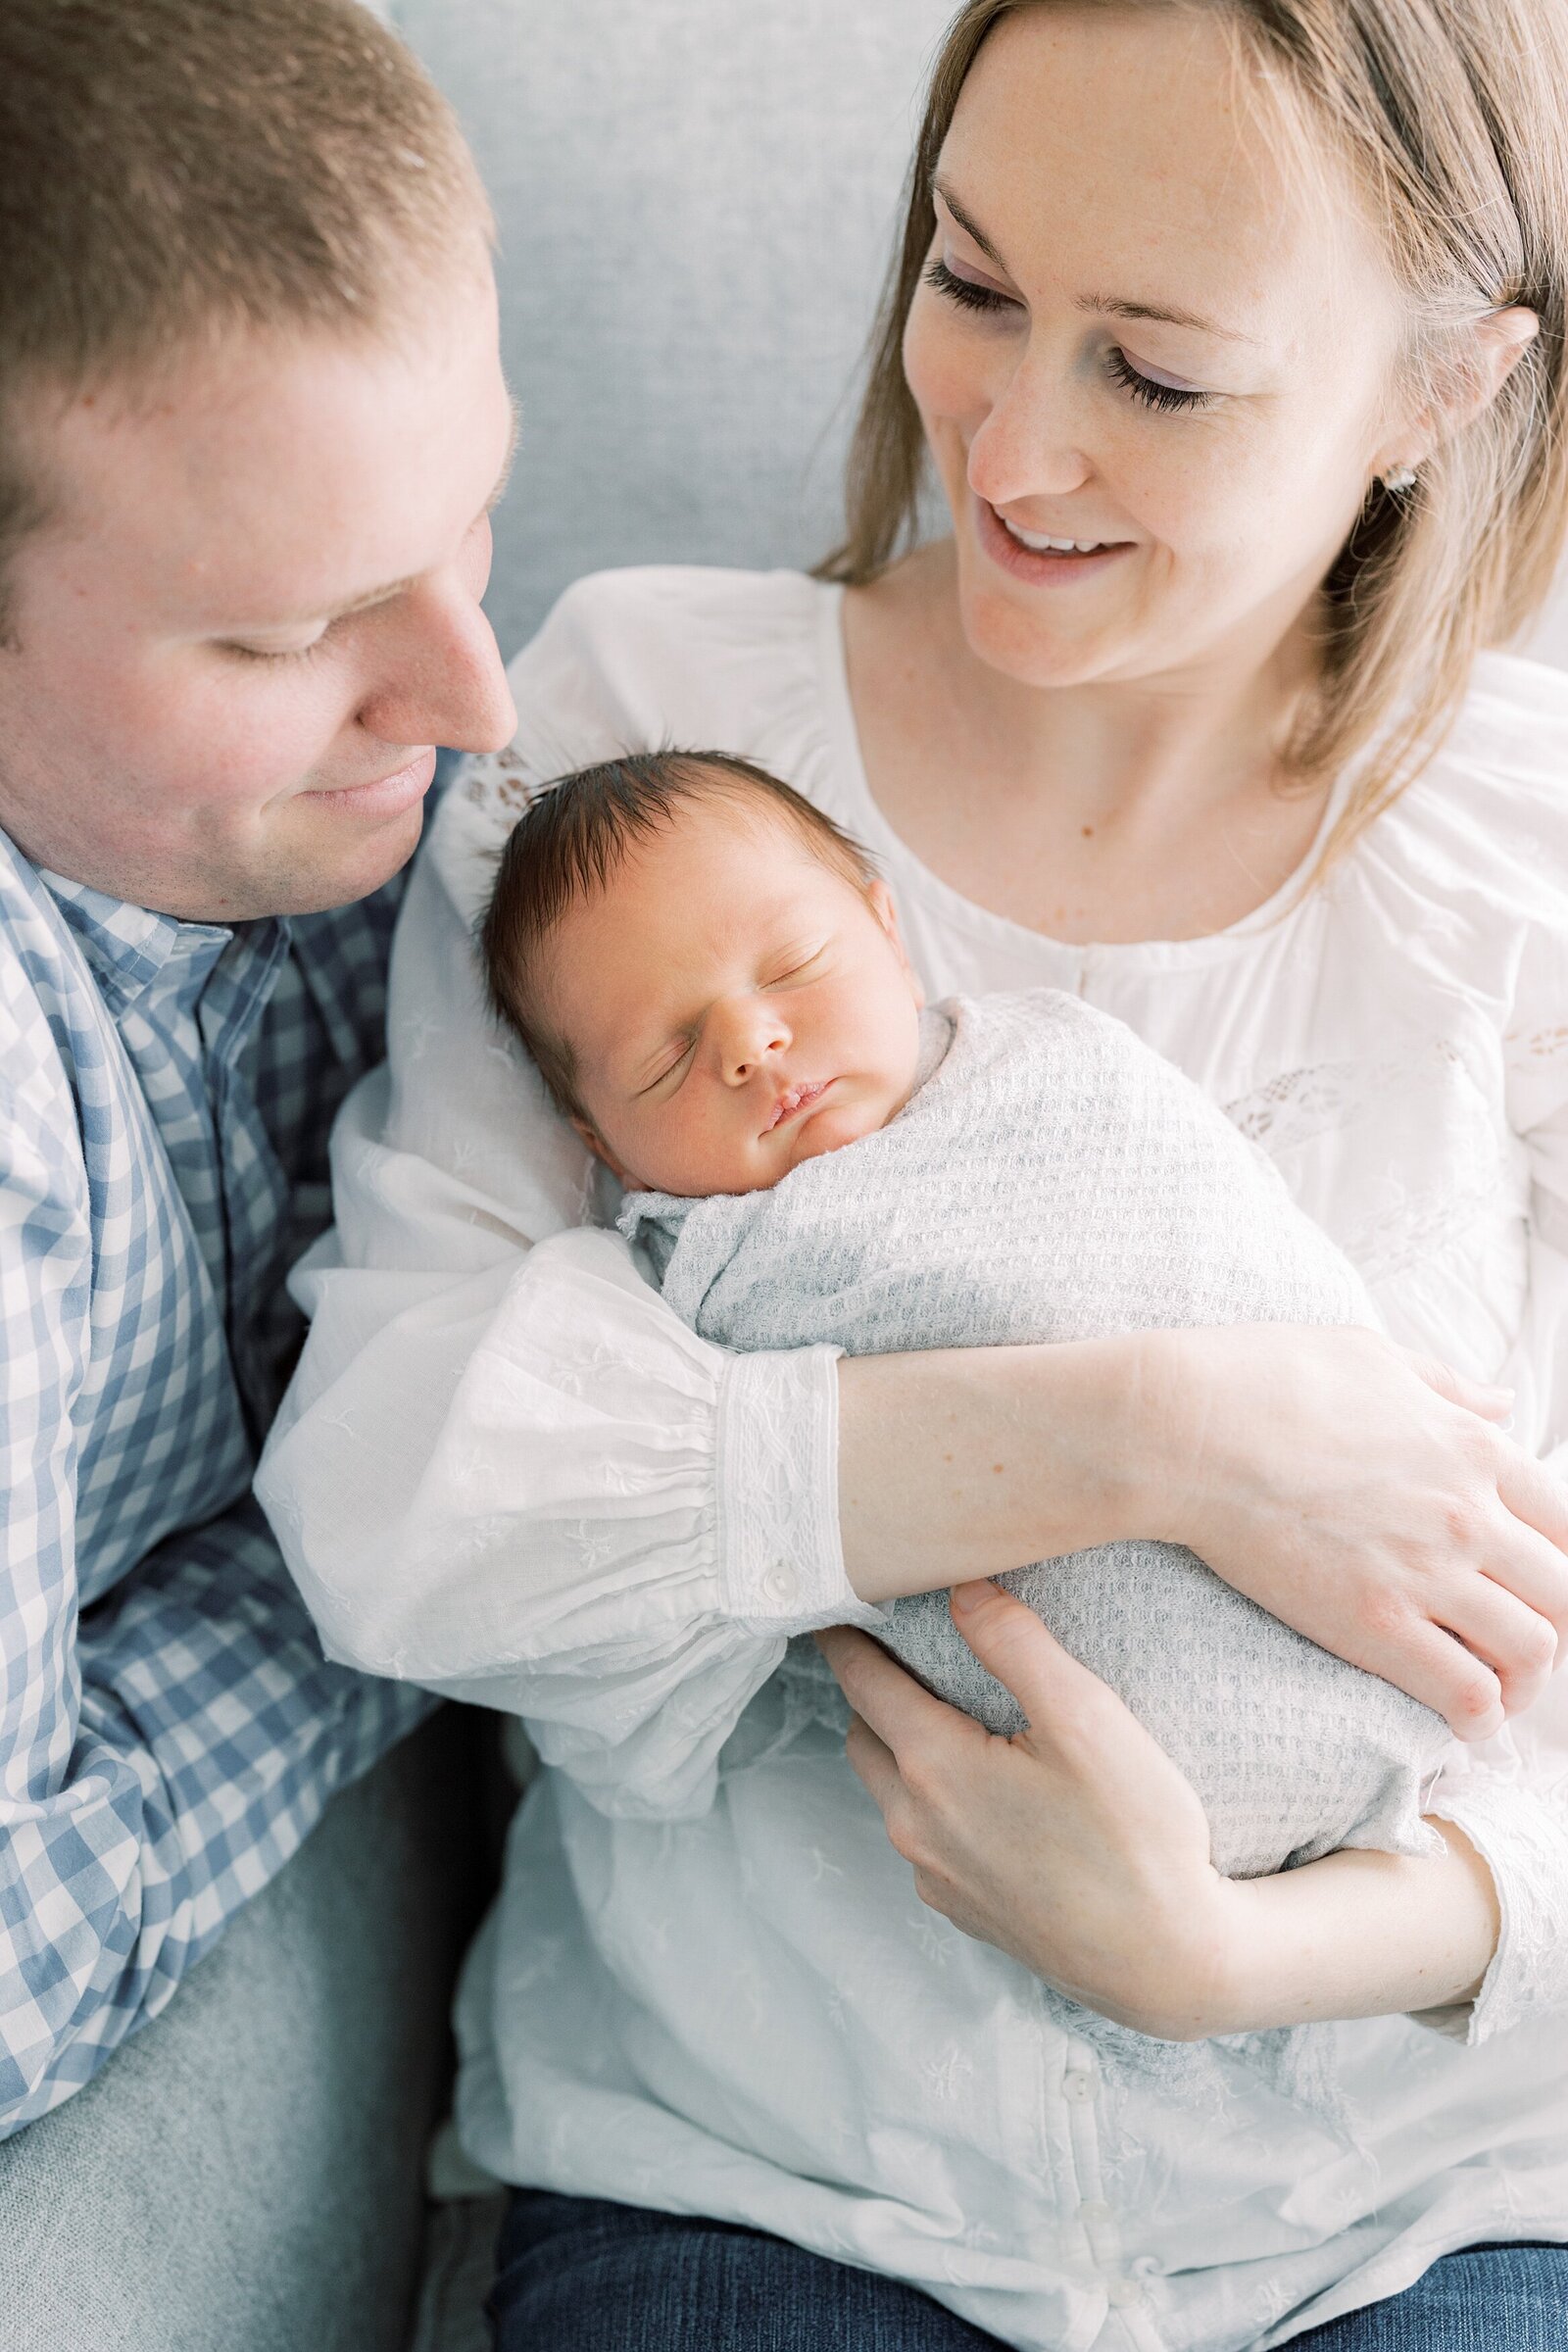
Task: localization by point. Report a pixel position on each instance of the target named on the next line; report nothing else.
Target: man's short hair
(172, 169)
(574, 836)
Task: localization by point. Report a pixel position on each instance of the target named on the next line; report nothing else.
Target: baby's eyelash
(671, 1067)
(1145, 389)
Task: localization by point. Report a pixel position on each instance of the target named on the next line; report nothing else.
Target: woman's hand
(1364, 1494)
(1079, 1848)
(1077, 1845)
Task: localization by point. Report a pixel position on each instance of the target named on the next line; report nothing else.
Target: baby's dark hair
(573, 839)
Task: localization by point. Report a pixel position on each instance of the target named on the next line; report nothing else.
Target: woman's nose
(1030, 442)
(440, 677)
(748, 1031)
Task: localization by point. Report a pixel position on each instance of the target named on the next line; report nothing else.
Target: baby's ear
(880, 900)
(601, 1150)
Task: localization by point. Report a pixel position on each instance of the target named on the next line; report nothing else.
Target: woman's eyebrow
(971, 228)
(1113, 305)
(1109, 305)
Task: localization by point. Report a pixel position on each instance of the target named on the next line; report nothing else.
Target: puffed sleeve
(1510, 1795)
(506, 1469)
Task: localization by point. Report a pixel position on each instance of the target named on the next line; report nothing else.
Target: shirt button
(1123, 2291)
(780, 1583)
(1079, 2087)
(1094, 2210)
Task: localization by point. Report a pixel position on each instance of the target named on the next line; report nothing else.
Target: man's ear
(601, 1150)
(1487, 352)
(880, 901)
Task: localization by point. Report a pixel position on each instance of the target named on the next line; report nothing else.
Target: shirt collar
(127, 947)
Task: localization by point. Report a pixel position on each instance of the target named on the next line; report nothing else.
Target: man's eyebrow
(1105, 306)
(392, 588)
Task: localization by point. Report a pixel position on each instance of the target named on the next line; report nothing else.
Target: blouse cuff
(1524, 1843)
(780, 1555)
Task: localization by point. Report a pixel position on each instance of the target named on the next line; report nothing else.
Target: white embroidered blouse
(510, 1472)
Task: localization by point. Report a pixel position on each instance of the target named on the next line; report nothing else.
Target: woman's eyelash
(972, 297)
(1145, 389)
(964, 290)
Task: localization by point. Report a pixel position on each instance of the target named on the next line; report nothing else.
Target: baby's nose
(753, 1033)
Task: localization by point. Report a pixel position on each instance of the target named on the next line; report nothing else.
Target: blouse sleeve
(1510, 1795)
(506, 1469)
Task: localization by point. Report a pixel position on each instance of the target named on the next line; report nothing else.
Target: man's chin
(336, 873)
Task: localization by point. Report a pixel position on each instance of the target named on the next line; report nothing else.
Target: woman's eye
(1148, 388)
(967, 292)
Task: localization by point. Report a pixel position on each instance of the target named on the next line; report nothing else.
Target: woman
(1236, 341)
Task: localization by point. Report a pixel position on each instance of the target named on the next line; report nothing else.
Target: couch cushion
(696, 202)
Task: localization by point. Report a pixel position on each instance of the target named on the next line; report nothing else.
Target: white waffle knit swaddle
(1054, 1179)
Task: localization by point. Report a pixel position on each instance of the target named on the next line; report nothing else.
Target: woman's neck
(1119, 810)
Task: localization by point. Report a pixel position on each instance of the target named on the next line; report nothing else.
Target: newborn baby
(710, 977)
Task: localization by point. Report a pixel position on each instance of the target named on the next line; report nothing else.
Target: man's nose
(440, 677)
(748, 1031)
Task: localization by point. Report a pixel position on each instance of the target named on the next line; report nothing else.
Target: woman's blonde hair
(1453, 117)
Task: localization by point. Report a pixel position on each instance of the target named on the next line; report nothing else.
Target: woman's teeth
(1041, 544)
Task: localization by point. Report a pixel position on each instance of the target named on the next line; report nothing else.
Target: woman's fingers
(1537, 1572)
(1505, 1634)
(1012, 1642)
(1436, 1668)
(1486, 1397)
(891, 1702)
(873, 1765)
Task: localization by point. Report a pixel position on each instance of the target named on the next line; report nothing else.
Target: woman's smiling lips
(794, 1100)
(1040, 565)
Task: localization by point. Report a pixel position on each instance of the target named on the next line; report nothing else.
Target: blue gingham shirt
(169, 1729)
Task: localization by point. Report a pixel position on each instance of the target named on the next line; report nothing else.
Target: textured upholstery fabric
(246, 2173)
(696, 200)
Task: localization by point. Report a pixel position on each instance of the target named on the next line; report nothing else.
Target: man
(253, 424)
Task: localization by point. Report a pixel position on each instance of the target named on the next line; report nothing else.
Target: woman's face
(1141, 331)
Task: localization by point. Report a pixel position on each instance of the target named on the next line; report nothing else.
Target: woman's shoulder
(663, 648)
(639, 660)
(1487, 822)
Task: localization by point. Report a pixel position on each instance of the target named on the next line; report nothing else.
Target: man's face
(254, 612)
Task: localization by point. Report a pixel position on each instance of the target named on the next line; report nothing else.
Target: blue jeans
(579, 2276)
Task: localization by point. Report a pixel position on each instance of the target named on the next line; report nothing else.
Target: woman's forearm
(971, 1462)
(1358, 1492)
(1356, 1935)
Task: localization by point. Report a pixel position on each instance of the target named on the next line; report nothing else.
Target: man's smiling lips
(796, 1098)
(384, 795)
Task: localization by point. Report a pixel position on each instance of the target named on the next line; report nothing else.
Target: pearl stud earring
(1399, 478)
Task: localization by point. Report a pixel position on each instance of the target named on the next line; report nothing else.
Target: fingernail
(966, 1597)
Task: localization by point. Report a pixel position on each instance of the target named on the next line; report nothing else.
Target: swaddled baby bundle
(1052, 1178)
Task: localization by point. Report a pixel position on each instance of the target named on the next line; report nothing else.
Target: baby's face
(734, 1007)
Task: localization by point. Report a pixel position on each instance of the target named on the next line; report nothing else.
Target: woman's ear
(1489, 350)
(880, 901)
